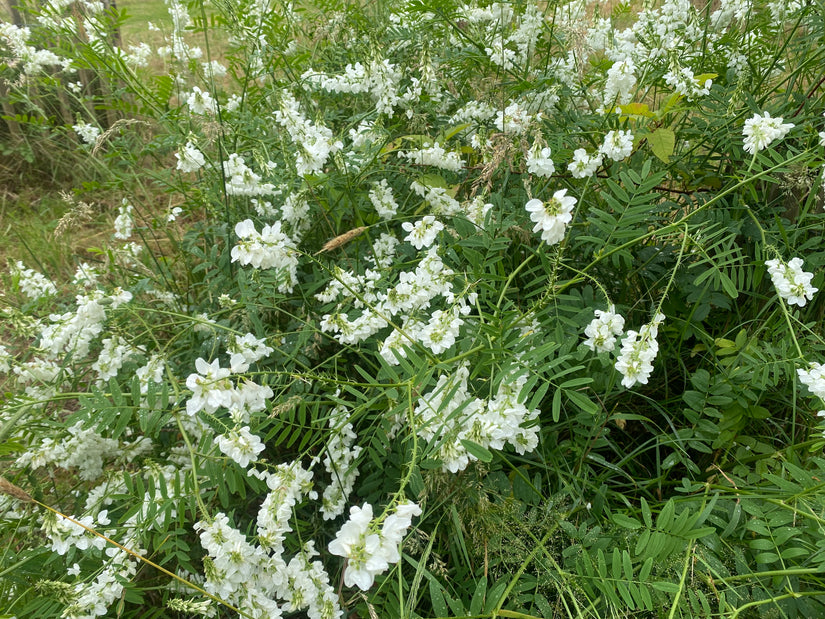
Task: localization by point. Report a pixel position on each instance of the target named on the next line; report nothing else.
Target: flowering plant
(357, 364)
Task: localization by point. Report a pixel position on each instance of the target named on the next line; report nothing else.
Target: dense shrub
(456, 310)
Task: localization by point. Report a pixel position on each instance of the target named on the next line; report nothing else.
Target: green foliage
(448, 367)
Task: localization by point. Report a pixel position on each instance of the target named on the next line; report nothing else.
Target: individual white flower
(617, 145)
(395, 527)
(240, 445)
(190, 159)
(602, 331)
(791, 282)
(423, 232)
(552, 217)
(760, 131)
(635, 360)
(584, 165)
(540, 163)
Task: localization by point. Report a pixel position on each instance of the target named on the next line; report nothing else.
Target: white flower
(791, 282)
(245, 351)
(684, 83)
(617, 145)
(395, 526)
(552, 217)
(201, 102)
(240, 445)
(383, 200)
(361, 547)
(5, 360)
(435, 156)
(33, 284)
(602, 331)
(514, 119)
(269, 249)
(635, 360)
(211, 387)
(423, 232)
(760, 131)
(190, 159)
(620, 80)
(88, 133)
(584, 165)
(124, 222)
(540, 163)
(814, 379)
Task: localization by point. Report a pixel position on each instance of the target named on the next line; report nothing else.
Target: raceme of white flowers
(271, 248)
(791, 282)
(368, 550)
(449, 414)
(602, 331)
(639, 349)
(761, 131)
(552, 216)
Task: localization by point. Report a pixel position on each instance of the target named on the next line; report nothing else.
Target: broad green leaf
(662, 142)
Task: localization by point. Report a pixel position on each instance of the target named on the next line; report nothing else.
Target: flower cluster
(617, 145)
(639, 349)
(370, 552)
(584, 165)
(88, 133)
(269, 249)
(190, 159)
(124, 221)
(434, 155)
(540, 163)
(339, 462)
(315, 142)
(602, 331)
(383, 199)
(791, 282)
(240, 180)
(212, 389)
(32, 283)
(449, 415)
(240, 445)
(760, 131)
(423, 232)
(814, 379)
(551, 217)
